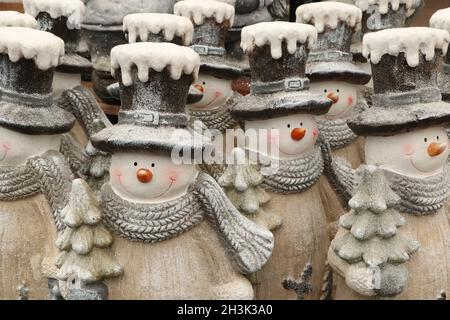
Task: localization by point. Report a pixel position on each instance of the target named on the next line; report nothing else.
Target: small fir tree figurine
(85, 260)
(242, 183)
(373, 245)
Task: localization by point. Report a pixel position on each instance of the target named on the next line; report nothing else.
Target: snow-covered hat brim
(35, 120)
(379, 121)
(128, 137)
(337, 71)
(270, 105)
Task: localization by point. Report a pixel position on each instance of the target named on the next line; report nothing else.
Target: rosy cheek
(219, 94)
(7, 146)
(408, 150)
(350, 100)
(315, 132)
(173, 175)
(118, 174)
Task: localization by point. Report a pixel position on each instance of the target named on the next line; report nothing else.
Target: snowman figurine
(63, 19)
(213, 88)
(34, 177)
(334, 75)
(281, 103)
(406, 137)
(158, 206)
(441, 20)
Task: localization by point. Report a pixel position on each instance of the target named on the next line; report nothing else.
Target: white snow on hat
(410, 41)
(275, 33)
(17, 19)
(147, 56)
(441, 20)
(73, 10)
(44, 48)
(199, 10)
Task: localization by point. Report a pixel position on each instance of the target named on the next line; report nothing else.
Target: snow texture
(275, 33)
(73, 10)
(383, 5)
(142, 24)
(441, 20)
(17, 19)
(199, 10)
(154, 56)
(410, 41)
(23, 43)
(328, 14)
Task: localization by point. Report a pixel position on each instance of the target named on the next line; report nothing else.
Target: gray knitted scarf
(47, 174)
(337, 133)
(219, 118)
(295, 176)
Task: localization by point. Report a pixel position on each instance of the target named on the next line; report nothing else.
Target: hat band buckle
(152, 119)
(208, 50)
(334, 55)
(288, 85)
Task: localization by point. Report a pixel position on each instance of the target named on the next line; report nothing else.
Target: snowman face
(143, 177)
(16, 148)
(215, 92)
(297, 134)
(343, 95)
(420, 153)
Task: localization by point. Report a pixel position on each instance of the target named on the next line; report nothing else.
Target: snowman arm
(73, 152)
(342, 177)
(82, 104)
(250, 244)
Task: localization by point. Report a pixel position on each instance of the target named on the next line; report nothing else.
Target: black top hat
(212, 20)
(331, 58)
(63, 27)
(26, 103)
(405, 64)
(153, 95)
(277, 53)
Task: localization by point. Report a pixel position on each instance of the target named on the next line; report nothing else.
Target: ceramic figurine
(154, 27)
(34, 177)
(102, 27)
(250, 12)
(405, 136)
(334, 75)
(242, 182)
(157, 208)
(17, 19)
(370, 243)
(280, 100)
(86, 259)
(212, 20)
(441, 20)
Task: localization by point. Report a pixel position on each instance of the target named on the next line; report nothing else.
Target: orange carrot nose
(435, 149)
(199, 88)
(333, 97)
(144, 175)
(298, 134)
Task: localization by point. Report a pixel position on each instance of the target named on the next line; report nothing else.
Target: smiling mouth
(414, 165)
(211, 102)
(165, 192)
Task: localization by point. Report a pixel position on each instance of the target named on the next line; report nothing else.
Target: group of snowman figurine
(91, 210)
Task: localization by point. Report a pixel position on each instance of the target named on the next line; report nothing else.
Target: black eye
(325, 90)
(301, 124)
(153, 165)
(288, 125)
(204, 83)
(437, 138)
(337, 90)
(426, 140)
(135, 164)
